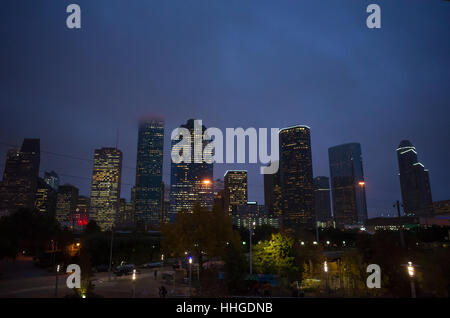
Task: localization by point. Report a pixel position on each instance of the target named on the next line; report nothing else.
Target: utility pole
(402, 238)
(110, 252)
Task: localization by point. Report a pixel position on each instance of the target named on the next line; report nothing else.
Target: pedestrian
(162, 292)
(155, 273)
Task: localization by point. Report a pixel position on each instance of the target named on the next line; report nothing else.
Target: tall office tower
(66, 203)
(347, 185)
(296, 176)
(52, 179)
(20, 177)
(191, 182)
(414, 181)
(236, 193)
(272, 194)
(322, 204)
(45, 201)
(105, 188)
(148, 195)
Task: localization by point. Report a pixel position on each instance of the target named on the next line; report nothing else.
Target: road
(21, 279)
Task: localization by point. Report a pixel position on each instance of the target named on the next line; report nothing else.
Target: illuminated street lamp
(206, 182)
(411, 273)
(325, 269)
(133, 280)
(361, 183)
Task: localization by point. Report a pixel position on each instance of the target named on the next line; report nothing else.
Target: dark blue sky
(231, 63)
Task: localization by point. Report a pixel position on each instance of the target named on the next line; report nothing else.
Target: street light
(190, 275)
(411, 273)
(325, 269)
(251, 256)
(133, 281)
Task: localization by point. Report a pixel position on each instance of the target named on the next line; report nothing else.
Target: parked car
(153, 265)
(125, 270)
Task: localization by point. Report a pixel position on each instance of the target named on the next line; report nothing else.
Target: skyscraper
(148, 191)
(414, 181)
(191, 183)
(236, 193)
(322, 202)
(296, 176)
(347, 185)
(105, 188)
(46, 196)
(20, 178)
(66, 203)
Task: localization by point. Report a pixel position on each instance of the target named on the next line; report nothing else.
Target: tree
(277, 256)
(200, 233)
(28, 230)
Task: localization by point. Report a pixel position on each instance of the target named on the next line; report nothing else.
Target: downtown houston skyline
(269, 65)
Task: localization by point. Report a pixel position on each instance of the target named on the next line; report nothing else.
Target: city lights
(410, 268)
(325, 266)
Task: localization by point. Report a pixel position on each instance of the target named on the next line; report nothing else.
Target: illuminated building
(45, 201)
(191, 183)
(296, 176)
(66, 203)
(322, 204)
(347, 185)
(148, 191)
(105, 188)
(235, 189)
(251, 213)
(20, 177)
(414, 181)
(81, 215)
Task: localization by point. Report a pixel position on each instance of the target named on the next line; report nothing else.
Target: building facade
(414, 181)
(347, 185)
(149, 167)
(20, 178)
(322, 201)
(296, 176)
(66, 203)
(105, 188)
(45, 201)
(191, 182)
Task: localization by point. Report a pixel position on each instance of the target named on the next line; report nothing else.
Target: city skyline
(348, 83)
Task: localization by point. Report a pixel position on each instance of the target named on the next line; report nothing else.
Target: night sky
(231, 63)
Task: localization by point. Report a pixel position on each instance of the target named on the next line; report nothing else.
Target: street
(21, 279)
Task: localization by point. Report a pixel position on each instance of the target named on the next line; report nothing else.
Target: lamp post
(411, 273)
(133, 281)
(190, 275)
(110, 252)
(251, 256)
(325, 269)
(56, 280)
